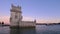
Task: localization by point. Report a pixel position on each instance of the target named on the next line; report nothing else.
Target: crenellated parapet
(35, 21)
(15, 8)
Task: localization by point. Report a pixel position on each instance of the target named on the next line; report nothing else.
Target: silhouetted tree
(2, 23)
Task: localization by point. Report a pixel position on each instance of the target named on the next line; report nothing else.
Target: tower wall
(15, 16)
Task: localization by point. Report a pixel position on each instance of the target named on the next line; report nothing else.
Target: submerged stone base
(14, 26)
(23, 30)
(22, 27)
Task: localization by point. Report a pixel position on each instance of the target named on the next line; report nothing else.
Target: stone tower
(16, 16)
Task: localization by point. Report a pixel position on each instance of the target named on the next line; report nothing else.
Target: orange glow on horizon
(6, 20)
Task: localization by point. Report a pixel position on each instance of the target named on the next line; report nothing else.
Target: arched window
(16, 16)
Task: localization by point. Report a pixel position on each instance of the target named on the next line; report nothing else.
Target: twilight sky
(42, 10)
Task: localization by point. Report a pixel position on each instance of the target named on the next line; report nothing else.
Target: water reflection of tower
(22, 31)
(14, 31)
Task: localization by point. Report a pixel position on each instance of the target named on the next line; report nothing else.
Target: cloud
(56, 20)
(26, 18)
(5, 19)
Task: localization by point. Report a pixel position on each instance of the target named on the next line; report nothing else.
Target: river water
(40, 29)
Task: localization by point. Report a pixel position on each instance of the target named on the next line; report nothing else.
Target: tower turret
(16, 15)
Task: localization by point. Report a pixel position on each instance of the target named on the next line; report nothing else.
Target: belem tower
(16, 18)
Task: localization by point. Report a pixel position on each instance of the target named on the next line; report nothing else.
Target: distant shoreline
(48, 24)
(37, 24)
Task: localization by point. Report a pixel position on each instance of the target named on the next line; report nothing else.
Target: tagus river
(40, 29)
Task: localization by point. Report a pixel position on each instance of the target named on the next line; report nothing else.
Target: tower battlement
(15, 8)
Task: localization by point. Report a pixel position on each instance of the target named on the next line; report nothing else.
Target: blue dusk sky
(41, 10)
